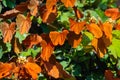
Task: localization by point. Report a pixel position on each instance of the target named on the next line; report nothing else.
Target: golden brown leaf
(23, 23)
(17, 47)
(7, 31)
(5, 69)
(33, 39)
(107, 29)
(50, 3)
(48, 15)
(32, 69)
(74, 39)
(99, 47)
(95, 30)
(77, 27)
(58, 37)
(68, 3)
(78, 13)
(33, 7)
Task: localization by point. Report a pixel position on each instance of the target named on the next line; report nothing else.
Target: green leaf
(0, 7)
(116, 34)
(9, 46)
(35, 51)
(4, 3)
(20, 37)
(86, 38)
(114, 48)
(1, 54)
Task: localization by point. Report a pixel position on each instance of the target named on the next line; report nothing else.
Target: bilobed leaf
(58, 37)
(7, 31)
(77, 27)
(23, 23)
(114, 48)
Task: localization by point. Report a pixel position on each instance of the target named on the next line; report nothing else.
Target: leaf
(32, 69)
(55, 69)
(14, 12)
(5, 69)
(7, 31)
(112, 13)
(78, 13)
(31, 40)
(23, 23)
(95, 30)
(48, 15)
(0, 7)
(86, 38)
(114, 48)
(47, 51)
(1, 52)
(116, 34)
(50, 3)
(74, 39)
(17, 47)
(20, 36)
(47, 47)
(99, 47)
(68, 3)
(77, 27)
(58, 37)
(107, 29)
(33, 7)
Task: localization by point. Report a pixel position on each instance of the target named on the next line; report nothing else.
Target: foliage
(59, 40)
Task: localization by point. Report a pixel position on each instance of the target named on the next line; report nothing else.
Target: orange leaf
(47, 52)
(58, 37)
(95, 30)
(33, 39)
(78, 13)
(48, 15)
(99, 47)
(107, 28)
(7, 31)
(112, 13)
(17, 47)
(50, 3)
(68, 3)
(5, 69)
(23, 23)
(55, 69)
(33, 7)
(117, 26)
(77, 27)
(32, 69)
(75, 40)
